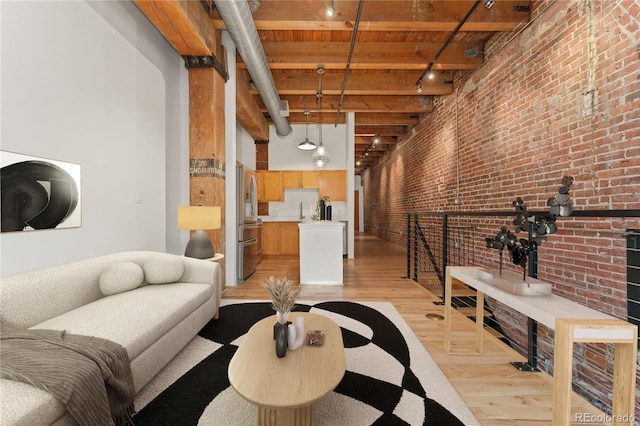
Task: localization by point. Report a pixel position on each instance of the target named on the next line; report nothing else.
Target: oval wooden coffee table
(285, 389)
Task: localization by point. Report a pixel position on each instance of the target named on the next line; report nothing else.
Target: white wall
(246, 147)
(285, 155)
(94, 83)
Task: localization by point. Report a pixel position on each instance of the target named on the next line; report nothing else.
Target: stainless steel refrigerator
(247, 212)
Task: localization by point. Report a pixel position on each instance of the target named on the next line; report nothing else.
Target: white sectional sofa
(151, 303)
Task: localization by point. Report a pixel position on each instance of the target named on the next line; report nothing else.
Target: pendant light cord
(319, 95)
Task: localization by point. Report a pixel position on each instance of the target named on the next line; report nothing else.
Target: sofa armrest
(205, 272)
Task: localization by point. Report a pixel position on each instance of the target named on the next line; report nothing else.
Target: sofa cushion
(163, 269)
(135, 319)
(119, 277)
(24, 404)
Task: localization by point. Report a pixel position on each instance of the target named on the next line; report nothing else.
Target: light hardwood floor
(495, 391)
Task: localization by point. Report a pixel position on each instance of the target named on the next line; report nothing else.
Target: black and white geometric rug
(390, 378)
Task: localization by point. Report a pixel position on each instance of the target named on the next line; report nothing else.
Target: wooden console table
(573, 323)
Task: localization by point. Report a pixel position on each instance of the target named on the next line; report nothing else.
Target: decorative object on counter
(315, 337)
(503, 239)
(199, 219)
(296, 334)
(537, 227)
(324, 208)
(283, 302)
(281, 340)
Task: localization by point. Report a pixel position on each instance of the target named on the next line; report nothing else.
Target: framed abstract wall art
(38, 193)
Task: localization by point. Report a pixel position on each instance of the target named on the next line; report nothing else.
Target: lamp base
(199, 246)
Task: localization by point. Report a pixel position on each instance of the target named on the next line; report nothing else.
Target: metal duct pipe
(239, 22)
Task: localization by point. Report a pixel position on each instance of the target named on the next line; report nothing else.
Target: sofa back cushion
(120, 277)
(30, 298)
(163, 268)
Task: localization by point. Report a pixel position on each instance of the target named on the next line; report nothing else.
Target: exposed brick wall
(560, 98)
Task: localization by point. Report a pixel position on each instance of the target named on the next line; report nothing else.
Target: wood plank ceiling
(396, 41)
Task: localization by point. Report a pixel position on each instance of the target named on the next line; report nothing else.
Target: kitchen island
(321, 252)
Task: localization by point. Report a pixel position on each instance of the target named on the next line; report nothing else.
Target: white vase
(282, 317)
(296, 334)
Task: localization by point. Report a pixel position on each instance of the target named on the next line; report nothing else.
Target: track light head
(488, 3)
(419, 87)
(331, 10)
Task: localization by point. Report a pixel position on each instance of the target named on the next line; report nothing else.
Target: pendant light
(306, 144)
(321, 156)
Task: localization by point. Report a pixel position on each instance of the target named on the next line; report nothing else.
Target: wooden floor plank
(495, 391)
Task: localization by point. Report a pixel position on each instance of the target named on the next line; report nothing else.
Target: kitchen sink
(512, 282)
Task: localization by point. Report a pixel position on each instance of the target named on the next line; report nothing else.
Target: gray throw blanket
(91, 376)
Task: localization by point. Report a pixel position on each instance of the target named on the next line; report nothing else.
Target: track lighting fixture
(332, 10)
(419, 87)
(428, 70)
(306, 144)
(488, 3)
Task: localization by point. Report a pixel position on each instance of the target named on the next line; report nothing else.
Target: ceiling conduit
(239, 22)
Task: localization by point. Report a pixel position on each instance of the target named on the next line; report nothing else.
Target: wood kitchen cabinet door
(291, 179)
(309, 179)
(270, 238)
(333, 183)
(269, 184)
(300, 179)
(289, 238)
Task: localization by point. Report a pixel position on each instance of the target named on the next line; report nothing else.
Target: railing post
(415, 247)
(445, 250)
(408, 245)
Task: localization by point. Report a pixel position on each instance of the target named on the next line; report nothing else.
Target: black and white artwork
(38, 193)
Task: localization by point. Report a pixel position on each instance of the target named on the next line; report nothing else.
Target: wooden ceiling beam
(361, 83)
(362, 118)
(386, 119)
(356, 103)
(362, 130)
(369, 55)
(397, 15)
(184, 24)
(328, 117)
(247, 110)
(382, 140)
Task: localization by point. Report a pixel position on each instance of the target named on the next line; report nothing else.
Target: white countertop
(327, 223)
(280, 218)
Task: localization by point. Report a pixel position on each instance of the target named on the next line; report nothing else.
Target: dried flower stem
(279, 289)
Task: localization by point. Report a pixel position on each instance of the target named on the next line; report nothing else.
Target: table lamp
(199, 219)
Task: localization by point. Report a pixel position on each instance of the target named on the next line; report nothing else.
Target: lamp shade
(199, 217)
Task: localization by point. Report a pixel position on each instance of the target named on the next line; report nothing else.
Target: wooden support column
(207, 168)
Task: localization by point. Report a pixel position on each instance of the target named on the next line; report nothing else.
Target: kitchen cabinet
(280, 238)
(333, 184)
(305, 179)
(269, 184)
(289, 238)
(270, 238)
